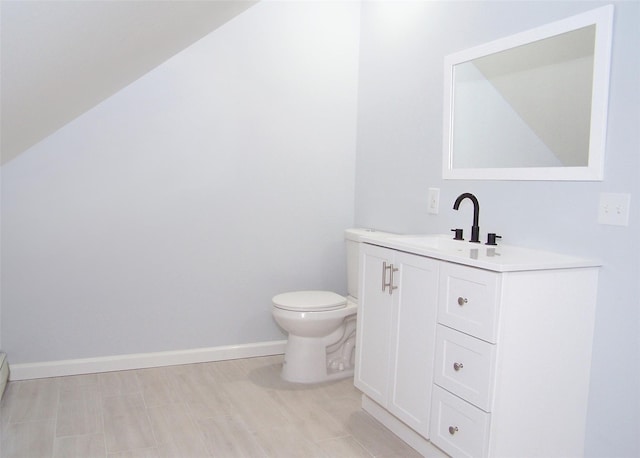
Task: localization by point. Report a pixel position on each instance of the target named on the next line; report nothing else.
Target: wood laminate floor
(237, 408)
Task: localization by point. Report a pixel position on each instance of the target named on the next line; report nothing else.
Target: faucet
(475, 229)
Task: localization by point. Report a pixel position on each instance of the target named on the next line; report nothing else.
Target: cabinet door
(373, 324)
(413, 339)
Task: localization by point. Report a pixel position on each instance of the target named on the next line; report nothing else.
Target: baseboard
(143, 360)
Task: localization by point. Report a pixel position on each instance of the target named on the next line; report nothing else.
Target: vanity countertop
(499, 258)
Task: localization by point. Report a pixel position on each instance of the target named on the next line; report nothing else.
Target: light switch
(613, 209)
(434, 201)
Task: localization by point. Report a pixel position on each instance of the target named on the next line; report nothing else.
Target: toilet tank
(353, 239)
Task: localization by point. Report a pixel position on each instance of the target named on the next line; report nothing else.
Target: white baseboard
(143, 360)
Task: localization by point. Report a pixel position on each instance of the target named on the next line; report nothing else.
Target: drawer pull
(453, 430)
(462, 301)
(457, 366)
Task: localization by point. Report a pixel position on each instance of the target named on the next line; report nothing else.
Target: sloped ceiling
(61, 58)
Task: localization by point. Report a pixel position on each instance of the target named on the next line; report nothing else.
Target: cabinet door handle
(453, 430)
(462, 301)
(457, 366)
(384, 275)
(391, 271)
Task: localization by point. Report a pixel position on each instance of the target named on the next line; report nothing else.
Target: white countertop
(499, 258)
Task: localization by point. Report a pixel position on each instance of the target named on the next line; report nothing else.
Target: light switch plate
(613, 209)
(434, 201)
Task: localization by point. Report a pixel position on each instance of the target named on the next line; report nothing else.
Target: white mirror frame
(603, 19)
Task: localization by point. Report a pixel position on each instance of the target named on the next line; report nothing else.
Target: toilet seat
(309, 301)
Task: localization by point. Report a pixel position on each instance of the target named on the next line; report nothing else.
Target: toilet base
(305, 361)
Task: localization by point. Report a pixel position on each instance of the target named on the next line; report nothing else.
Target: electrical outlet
(613, 209)
(434, 201)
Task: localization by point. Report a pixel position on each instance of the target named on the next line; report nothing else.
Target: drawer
(465, 366)
(457, 427)
(469, 300)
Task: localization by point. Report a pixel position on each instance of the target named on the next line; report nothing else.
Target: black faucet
(475, 229)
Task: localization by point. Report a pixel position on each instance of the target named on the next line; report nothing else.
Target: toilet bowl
(321, 327)
(322, 324)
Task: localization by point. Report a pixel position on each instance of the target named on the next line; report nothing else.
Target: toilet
(321, 326)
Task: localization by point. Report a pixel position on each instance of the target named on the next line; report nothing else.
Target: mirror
(532, 106)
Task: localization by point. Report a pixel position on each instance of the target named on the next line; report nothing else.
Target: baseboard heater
(4, 372)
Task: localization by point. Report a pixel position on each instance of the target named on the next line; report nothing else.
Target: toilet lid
(309, 301)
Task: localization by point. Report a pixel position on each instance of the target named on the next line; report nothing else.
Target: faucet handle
(491, 238)
(458, 235)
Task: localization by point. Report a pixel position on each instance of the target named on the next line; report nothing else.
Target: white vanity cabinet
(395, 347)
(512, 361)
(501, 370)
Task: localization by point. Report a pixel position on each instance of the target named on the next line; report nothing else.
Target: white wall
(166, 217)
(403, 45)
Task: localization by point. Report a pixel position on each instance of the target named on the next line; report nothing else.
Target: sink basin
(436, 242)
(500, 258)
(442, 246)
